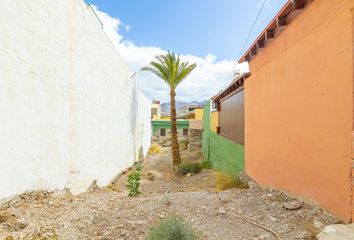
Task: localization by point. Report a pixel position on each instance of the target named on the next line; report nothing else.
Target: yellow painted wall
(199, 113)
(214, 121)
(165, 118)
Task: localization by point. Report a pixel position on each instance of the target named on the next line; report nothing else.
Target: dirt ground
(108, 213)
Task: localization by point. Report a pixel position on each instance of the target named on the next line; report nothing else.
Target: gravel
(102, 213)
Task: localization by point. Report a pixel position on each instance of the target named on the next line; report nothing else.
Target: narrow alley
(108, 212)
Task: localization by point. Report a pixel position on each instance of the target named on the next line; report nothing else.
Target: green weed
(134, 183)
(188, 167)
(206, 165)
(172, 228)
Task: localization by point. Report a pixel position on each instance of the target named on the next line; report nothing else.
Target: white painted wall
(68, 111)
(141, 117)
(143, 127)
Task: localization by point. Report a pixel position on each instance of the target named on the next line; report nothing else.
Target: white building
(69, 112)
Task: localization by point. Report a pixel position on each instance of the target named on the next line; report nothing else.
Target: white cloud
(206, 80)
(127, 28)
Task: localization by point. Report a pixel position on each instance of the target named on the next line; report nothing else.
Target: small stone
(150, 176)
(263, 236)
(21, 225)
(5, 216)
(318, 224)
(292, 205)
(93, 220)
(188, 175)
(221, 211)
(166, 201)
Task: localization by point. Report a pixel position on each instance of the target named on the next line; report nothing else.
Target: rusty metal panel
(232, 117)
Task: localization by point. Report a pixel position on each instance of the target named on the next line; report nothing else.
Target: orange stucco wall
(299, 108)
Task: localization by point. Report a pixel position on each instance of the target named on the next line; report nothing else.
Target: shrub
(189, 167)
(154, 148)
(184, 144)
(225, 181)
(138, 166)
(172, 228)
(206, 165)
(134, 183)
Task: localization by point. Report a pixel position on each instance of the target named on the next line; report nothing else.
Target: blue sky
(213, 31)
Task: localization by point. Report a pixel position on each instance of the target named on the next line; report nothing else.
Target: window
(163, 132)
(231, 117)
(185, 132)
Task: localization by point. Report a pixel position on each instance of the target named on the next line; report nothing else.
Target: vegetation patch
(134, 183)
(188, 167)
(173, 228)
(36, 236)
(184, 144)
(206, 165)
(138, 166)
(154, 148)
(224, 180)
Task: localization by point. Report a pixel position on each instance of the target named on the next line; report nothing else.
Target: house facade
(161, 131)
(156, 109)
(294, 112)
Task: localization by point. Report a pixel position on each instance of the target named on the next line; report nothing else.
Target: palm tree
(172, 71)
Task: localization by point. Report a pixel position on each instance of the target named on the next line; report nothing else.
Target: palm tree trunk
(176, 156)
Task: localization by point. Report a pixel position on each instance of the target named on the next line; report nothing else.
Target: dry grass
(311, 230)
(36, 236)
(225, 181)
(155, 148)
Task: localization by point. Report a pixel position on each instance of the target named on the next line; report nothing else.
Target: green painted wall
(166, 124)
(224, 154)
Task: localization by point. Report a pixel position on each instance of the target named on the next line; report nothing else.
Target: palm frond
(153, 70)
(170, 69)
(161, 68)
(185, 70)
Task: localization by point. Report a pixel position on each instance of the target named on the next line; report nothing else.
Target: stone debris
(101, 213)
(5, 216)
(293, 205)
(150, 176)
(337, 232)
(318, 224)
(221, 211)
(94, 187)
